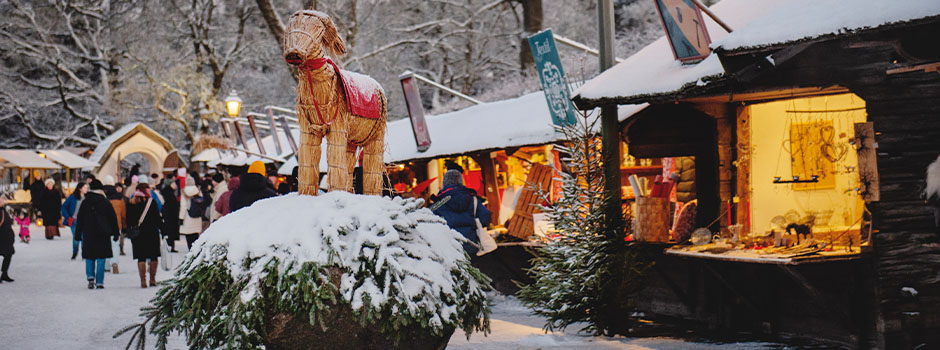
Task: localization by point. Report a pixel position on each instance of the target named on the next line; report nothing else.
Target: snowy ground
(49, 307)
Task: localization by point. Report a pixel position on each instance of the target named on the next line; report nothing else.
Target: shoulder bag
(133, 232)
(487, 243)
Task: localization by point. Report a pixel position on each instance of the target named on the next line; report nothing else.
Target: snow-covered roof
(104, 148)
(68, 159)
(21, 158)
(653, 70)
(521, 121)
(208, 155)
(799, 20)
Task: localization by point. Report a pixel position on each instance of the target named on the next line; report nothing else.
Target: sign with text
(684, 28)
(554, 84)
(415, 111)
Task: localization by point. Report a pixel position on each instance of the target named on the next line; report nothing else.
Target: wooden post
(490, 188)
(869, 182)
(610, 137)
(743, 166)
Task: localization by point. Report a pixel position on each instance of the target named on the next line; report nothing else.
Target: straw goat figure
(349, 109)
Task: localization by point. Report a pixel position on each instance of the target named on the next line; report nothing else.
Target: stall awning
(208, 155)
(18, 158)
(68, 159)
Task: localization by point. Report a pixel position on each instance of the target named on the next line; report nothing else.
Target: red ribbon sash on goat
(361, 99)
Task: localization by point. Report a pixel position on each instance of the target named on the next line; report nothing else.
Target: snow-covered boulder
(336, 271)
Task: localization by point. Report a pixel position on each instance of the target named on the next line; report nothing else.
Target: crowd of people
(146, 210)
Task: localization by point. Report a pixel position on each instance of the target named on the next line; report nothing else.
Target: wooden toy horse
(348, 108)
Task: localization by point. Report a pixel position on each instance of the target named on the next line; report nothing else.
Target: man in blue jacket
(458, 207)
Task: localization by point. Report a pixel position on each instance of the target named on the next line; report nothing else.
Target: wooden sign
(685, 29)
(416, 111)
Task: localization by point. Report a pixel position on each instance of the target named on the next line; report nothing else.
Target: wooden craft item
(521, 225)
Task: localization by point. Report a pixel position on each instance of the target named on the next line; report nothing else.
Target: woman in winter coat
(458, 209)
(170, 213)
(147, 243)
(6, 240)
(96, 229)
(222, 204)
(252, 187)
(70, 213)
(51, 204)
(191, 225)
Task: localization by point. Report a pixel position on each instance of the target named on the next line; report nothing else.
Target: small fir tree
(582, 275)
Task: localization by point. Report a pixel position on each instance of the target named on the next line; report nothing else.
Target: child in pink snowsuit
(23, 221)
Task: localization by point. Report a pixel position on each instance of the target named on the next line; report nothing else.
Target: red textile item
(422, 186)
(362, 96)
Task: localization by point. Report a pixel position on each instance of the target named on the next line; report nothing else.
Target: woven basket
(652, 220)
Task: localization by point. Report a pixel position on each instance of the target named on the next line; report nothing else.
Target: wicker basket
(652, 220)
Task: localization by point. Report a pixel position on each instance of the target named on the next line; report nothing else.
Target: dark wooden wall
(905, 110)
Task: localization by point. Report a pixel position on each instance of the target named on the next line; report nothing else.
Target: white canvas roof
(20, 158)
(520, 121)
(68, 159)
(653, 70)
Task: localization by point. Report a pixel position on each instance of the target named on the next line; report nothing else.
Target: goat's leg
(373, 163)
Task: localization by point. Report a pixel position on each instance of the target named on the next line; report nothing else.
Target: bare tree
(61, 67)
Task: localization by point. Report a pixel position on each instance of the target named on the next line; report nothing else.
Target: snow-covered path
(49, 307)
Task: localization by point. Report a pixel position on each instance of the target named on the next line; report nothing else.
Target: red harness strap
(309, 66)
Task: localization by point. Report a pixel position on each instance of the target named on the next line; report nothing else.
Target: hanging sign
(416, 111)
(685, 29)
(554, 84)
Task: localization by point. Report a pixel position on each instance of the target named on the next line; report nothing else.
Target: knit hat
(452, 177)
(257, 167)
(143, 180)
(107, 180)
(49, 181)
(95, 185)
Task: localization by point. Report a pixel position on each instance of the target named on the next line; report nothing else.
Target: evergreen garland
(214, 307)
(583, 275)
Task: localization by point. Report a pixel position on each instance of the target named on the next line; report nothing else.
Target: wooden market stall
(16, 174)
(72, 165)
(808, 143)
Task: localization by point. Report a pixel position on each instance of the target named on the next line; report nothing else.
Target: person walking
(70, 213)
(6, 240)
(142, 212)
(221, 205)
(458, 208)
(36, 190)
(252, 187)
(97, 228)
(115, 194)
(932, 192)
(192, 208)
(50, 204)
(170, 213)
(22, 219)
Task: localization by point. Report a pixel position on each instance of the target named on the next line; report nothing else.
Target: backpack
(196, 207)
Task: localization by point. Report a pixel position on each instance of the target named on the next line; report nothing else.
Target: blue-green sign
(553, 79)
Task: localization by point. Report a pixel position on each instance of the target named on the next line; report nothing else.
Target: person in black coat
(171, 213)
(147, 243)
(252, 187)
(458, 208)
(50, 203)
(97, 223)
(6, 240)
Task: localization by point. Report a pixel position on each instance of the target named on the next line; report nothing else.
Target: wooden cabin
(825, 109)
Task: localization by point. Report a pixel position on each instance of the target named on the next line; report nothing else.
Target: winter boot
(5, 277)
(114, 268)
(74, 255)
(153, 273)
(91, 283)
(142, 270)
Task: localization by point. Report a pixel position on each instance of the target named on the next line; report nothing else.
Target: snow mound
(394, 254)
